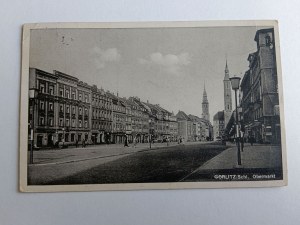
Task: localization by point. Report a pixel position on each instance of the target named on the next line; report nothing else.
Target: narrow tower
(227, 96)
(205, 105)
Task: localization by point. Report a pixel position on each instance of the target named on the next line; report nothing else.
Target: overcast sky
(167, 66)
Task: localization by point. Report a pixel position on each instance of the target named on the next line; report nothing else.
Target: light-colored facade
(218, 125)
(205, 106)
(227, 96)
(61, 112)
(101, 116)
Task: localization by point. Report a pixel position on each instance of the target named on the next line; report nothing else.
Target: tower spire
(226, 77)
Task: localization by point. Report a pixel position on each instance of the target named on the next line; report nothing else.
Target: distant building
(185, 126)
(218, 125)
(259, 91)
(101, 116)
(227, 96)
(205, 106)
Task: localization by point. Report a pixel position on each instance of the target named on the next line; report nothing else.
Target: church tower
(227, 96)
(205, 105)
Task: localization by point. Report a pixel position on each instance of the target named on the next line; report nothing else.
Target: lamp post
(235, 84)
(63, 140)
(33, 92)
(150, 127)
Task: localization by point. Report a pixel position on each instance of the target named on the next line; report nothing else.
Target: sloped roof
(182, 115)
(219, 115)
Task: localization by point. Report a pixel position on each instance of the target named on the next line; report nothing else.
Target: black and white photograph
(153, 105)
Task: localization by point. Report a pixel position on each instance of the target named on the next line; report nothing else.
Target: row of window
(62, 123)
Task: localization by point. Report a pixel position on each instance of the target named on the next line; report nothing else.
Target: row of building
(68, 111)
(258, 101)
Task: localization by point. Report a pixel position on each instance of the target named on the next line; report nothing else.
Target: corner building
(259, 89)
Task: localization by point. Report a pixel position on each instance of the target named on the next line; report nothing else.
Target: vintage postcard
(155, 105)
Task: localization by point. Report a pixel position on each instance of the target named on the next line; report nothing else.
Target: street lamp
(33, 93)
(150, 127)
(235, 84)
(63, 140)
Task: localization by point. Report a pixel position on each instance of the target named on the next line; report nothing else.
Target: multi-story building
(161, 121)
(227, 96)
(173, 128)
(61, 112)
(142, 120)
(101, 116)
(218, 125)
(68, 111)
(259, 91)
(185, 126)
(118, 119)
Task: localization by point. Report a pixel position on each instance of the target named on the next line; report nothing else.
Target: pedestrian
(126, 142)
(251, 140)
(134, 142)
(76, 143)
(83, 143)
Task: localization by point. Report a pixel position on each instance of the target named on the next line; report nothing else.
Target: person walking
(126, 141)
(134, 142)
(251, 140)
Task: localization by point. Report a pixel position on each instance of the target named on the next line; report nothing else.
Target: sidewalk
(60, 156)
(257, 158)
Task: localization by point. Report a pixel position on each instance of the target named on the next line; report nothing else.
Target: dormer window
(268, 40)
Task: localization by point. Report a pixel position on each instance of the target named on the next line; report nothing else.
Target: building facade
(61, 112)
(101, 116)
(259, 92)
(227, 96)
(218, 125)
(205, 106)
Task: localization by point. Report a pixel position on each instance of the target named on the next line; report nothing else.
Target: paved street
(115, 163)
(186, 162)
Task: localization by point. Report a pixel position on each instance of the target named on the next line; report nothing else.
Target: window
(80, 123)
(85, 111)
(73, 95)
(42, 88)
(61, 122)
(51, 90)
(268, 40)
(61, 108)
(80, 111)
(50, 122)
(50, 106)
(42, 105)
(85, 124)
(67, 94)
(41, 120)
(80, 97)
(73, 123)
(86, 98)
(73, 109)
(67, 122)
(61, 92)
(72, 137)
(68, 109)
